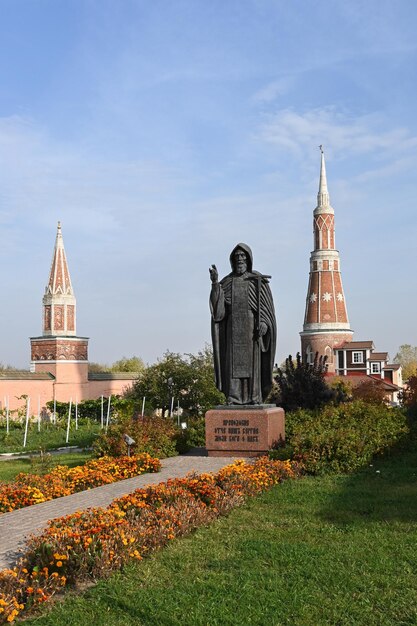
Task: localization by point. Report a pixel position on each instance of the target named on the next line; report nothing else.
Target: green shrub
(91, 409)
(154, 435)
(282, 453)
(302, 384)
(370, 391)
(194, 436)
(188, 378)
(343, 438)
(408, 399)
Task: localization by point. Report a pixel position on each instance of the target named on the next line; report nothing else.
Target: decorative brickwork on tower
(59, 342)
(59, 305)
(326, 324)
(59, 349)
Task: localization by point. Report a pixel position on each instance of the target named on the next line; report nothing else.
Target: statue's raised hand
(214, 275)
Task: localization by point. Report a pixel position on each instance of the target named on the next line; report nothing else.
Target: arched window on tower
(329, 353)
(310, 355)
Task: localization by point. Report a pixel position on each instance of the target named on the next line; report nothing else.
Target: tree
(408, 399)
(370, 391)
(11, 368)
(97, 367)
(132, 364)
(302, 385)
(407, 358)
(202, 391)
(119, 407)
(189, 379)
(408, 395)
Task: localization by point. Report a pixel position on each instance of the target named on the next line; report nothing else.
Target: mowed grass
(10, 469)
(330, 550)
(50, 436)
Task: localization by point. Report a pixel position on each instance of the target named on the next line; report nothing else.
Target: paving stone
(16, 526)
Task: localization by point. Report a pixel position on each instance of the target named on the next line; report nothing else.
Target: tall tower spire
(59, 304)
(59, 351)
(326, 323)
(323, 199)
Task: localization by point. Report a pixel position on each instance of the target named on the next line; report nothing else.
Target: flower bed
(91, 544)
(29, 489)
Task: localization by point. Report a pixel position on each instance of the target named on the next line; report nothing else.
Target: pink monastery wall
(14, 389)
(106, 387)
(64, 391)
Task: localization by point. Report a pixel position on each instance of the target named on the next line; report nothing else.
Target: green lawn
(329, 550)
(9, 469)
(49, 437)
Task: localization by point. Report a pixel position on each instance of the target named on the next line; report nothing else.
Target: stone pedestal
(244, 430)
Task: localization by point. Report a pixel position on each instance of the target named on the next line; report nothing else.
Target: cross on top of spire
(323, 198)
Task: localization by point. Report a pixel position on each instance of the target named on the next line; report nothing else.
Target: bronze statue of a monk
(244, 330)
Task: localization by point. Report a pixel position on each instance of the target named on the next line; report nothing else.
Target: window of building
(388, 376)
(375, 368)
(357, 357)
(310, 355)
(329, 353)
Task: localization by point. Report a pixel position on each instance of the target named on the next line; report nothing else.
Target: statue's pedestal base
(244, 431)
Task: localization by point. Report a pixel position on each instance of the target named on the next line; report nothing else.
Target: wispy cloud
(42, 179)
(273, 90)
(340, 132)
(395, 167)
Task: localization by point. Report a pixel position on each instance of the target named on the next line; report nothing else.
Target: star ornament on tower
(313, 298)
(327, 296)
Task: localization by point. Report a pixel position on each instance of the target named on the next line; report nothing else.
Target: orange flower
(144, 520)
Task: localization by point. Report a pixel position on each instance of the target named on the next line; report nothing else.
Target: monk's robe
(243, 360)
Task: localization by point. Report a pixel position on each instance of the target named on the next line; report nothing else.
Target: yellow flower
(12, 615)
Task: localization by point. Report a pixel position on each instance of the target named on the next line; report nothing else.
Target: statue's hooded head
(234, 258)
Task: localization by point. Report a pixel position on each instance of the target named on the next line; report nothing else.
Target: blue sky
(162, 133)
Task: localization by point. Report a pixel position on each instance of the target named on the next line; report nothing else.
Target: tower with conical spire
(59, 357)
(326, 324)
(59, 351)
(59, 305)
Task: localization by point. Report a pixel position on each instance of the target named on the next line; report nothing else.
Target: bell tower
(59, 350)
(326, 323)
(59, 305)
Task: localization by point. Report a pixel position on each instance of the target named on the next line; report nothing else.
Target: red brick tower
(326, 324)
(59, 350)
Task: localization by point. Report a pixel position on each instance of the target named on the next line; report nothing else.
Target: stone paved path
(17, 525)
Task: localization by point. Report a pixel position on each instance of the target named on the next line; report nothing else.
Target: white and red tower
(326, 324)
(59, 351)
